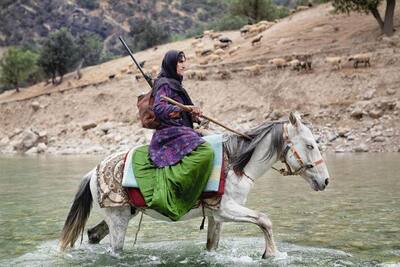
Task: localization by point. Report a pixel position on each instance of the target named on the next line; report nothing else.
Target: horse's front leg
(232, 211)
(213, 233)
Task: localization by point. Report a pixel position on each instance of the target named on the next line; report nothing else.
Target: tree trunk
(389, 14)
(377, 16)
(17, 87)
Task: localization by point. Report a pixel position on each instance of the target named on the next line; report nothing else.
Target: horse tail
(78, 214)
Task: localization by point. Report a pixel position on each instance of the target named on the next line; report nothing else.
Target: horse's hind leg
(117, 220)
(213, 233)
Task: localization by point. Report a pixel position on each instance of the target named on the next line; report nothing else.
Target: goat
(256, 40)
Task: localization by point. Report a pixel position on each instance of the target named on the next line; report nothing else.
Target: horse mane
(240, 149)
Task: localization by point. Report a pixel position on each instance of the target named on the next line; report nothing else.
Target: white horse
(291, 142)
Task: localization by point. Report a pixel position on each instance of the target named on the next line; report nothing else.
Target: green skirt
(173, 190)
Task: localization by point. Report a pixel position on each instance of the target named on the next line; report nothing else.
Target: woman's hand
(196, 111)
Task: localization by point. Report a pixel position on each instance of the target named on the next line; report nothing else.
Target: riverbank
(351, 109)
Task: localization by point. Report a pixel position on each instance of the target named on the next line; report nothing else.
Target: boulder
(361, 148)
(369, 94)
(357, 113)
(28, 140)
(379, 139)
(343, 132)
(88, 126)
(41, 148)
(35, 105)
(33, 150)
(390, 91)
(106, 127)
(375, 113)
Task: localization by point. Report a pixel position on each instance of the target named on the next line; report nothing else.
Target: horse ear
(294, 119)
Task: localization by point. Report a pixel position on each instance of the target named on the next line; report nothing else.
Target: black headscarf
(169, 75)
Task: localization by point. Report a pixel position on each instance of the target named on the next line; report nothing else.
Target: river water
(355, 222)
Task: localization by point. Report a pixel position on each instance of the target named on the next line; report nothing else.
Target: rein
(290, 147)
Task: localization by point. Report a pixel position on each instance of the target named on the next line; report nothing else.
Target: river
(355, 222)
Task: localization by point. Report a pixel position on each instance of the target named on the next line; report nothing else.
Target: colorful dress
(173, 172)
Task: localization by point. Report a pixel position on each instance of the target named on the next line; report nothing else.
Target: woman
(181, 161)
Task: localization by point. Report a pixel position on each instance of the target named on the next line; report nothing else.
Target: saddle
(117, 186)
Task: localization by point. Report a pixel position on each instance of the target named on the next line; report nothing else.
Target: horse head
(301, 153)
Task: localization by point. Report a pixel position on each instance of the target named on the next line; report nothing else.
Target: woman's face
(181, 66)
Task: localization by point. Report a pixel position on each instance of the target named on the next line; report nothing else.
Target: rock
(350, 137)
(379, 139)
(375, 113)
(343, 132)
(4, 141)
(275, 115)
(106, 127)
(29, 139)
(332, 136)
(35, 105)
(340, 150)
(390, 91)
(93, 149)
(361, 148)
(33, 150)
(88, 126)
(357, 113)
(41, 148)
(369, 94)
(16, 132)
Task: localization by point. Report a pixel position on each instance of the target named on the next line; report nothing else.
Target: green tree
(90, 47)
(58, 54)
(370, 6)
(145, 33)
(256, 10)
(16, 66)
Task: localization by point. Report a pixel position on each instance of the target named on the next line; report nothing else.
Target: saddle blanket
(214, 187)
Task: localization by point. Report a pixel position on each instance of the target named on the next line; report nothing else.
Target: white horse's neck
(257, 164)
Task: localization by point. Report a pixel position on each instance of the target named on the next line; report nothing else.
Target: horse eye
(310, 147)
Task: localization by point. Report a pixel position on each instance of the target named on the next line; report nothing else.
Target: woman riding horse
(183, 159)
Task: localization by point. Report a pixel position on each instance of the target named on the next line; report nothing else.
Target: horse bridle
(290, 147)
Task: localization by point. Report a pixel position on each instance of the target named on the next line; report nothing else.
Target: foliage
(145, 33)
(58, 54)
(229, 22)
(346, 6)
(16, 66)
(90, 48)
(257, 10)
(89, 4)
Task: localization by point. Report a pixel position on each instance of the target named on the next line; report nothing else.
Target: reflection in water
(355, 221)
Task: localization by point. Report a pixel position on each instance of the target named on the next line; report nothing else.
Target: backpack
(146, 114)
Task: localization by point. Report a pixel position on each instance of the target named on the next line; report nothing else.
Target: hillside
(350, 109)
(27, 22)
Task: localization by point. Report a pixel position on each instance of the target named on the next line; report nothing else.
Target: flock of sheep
(222, 47)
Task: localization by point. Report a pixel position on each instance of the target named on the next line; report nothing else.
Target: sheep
(221, 45)
(225, 40)
(295, 64)
(301, 8)
(203, 61)
(154, 71)
(336, 62)
(214, 58)
(233, 50)
(215, 35)
(305, 61)
(206, 52)
(201, 75)
(244, 30)
(219, 52)
(253, 70)
(207, 33)
(278, 62)
(195, 42)
(256, 40)
(360, 58)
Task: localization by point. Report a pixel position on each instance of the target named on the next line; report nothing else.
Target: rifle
(146, 77)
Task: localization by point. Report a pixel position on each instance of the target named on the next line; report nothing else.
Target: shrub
(16, 66)
(89, 4)
(90, 48)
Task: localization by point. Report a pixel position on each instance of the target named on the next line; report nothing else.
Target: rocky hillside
(351, 109)
(25, 22)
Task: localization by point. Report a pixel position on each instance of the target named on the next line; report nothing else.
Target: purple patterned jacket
(175, 138)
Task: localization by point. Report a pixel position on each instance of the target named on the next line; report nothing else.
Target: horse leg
(213, 233)
(232, 211)
(117, 220)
